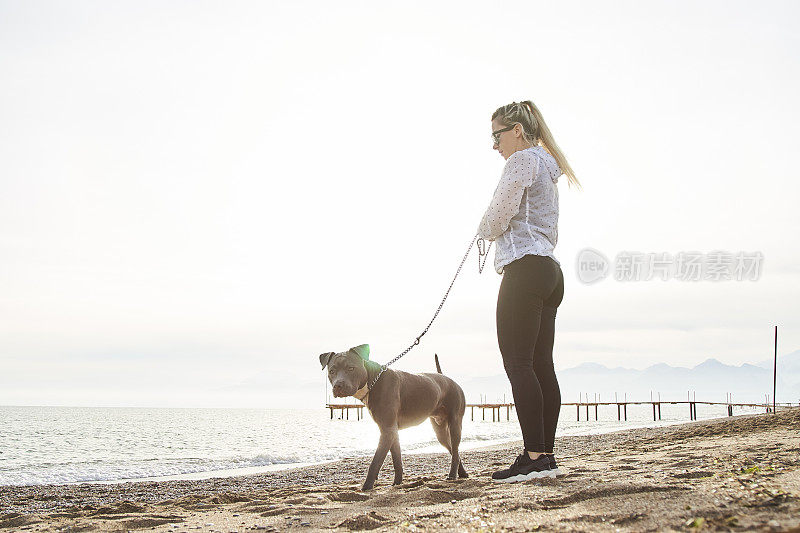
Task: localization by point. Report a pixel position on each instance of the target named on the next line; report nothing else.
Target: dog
(399, 400)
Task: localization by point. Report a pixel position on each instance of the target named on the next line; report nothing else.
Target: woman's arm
(520, 171)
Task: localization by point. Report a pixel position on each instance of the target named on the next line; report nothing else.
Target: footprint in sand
(121, 508)
(347, 496)
(228, 497)
(360, 522)
(607, 491)
(16, 520)
(276, 510)
(145, 522)
(693, 475)
(306, 500)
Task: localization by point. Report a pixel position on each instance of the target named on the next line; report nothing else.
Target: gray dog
(399, 400)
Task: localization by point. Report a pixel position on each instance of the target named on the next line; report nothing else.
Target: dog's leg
(388, 436)
(442, 433)
(461, 471)
(456, 468)
(397, 461)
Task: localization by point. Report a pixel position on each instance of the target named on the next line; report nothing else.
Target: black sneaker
(555, 471)
(524, 468)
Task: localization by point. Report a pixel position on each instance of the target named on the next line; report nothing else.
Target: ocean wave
(95, 471)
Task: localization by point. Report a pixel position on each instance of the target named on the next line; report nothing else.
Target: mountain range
(711, 380)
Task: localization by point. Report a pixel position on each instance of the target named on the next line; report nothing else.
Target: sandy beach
(732, 474)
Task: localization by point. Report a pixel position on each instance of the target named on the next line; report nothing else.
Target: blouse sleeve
(520, 171)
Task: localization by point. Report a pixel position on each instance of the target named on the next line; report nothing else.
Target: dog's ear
(325, 358)
(362, 351)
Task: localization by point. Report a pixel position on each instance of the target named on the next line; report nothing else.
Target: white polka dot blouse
(522, 217)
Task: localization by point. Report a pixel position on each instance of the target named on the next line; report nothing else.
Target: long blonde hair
(535, 131)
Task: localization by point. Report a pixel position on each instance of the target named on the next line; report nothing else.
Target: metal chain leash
(484, 253)
(481, 253)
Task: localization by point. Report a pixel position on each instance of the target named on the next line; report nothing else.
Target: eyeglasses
(496, 134)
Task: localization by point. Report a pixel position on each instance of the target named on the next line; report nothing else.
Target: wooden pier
(691, 402)
(495, 408)
(344, 410)
(622, 407)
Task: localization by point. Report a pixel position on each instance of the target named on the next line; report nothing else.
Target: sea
(67, 445)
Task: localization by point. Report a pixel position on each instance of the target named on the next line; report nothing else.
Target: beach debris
(696, 522)
(626, 519)
(774, 523)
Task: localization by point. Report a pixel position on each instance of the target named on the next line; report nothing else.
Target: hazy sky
(199, 198)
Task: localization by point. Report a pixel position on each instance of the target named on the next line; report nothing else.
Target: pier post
(625, 409)
(775, 369)
(472, 413)
(595, 412)
(654, 410)
(618, 413)
(578, 408)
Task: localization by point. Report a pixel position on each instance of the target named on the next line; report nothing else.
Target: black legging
(531, 291)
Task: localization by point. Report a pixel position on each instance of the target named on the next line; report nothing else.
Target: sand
(731, 474)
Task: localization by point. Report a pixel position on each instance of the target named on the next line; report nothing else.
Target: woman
(522, 219)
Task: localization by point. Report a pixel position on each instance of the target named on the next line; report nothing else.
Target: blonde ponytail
(536, 132)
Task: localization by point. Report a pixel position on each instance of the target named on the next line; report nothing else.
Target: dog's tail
(438, 368)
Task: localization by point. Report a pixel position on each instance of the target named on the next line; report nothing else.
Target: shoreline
(431, 448)
(733, 473)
